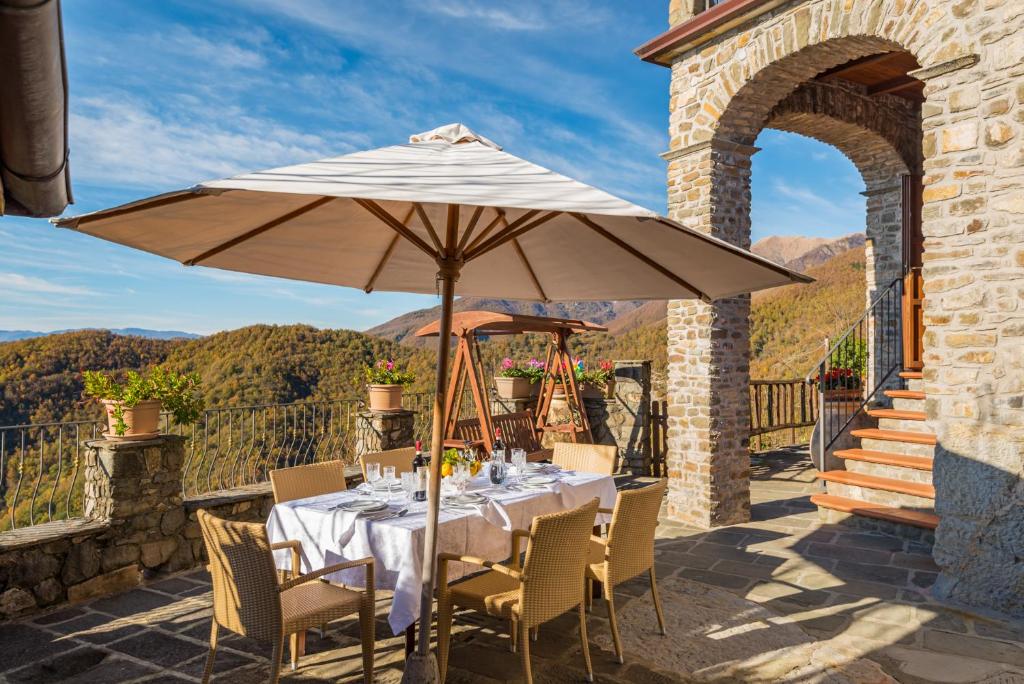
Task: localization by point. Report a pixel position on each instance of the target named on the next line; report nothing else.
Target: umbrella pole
(447, 274)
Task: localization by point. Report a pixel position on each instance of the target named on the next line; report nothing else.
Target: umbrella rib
(173, 198)
(514, 230)
(469, 229)
(258, 230)
(499, 217)
(639, 255)
(395, 225)
(430, 228)
(529, 269)
(384, 259)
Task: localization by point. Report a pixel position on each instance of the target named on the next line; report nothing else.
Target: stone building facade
(967, 140)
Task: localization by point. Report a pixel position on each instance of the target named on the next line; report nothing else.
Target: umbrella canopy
(448, 207)
(376, 220)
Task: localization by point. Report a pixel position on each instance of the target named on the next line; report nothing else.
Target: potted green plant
(133, 407)
(844, 379)
(384, 381)
(518, 381)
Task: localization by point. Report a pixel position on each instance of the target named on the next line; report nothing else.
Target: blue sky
(164, 95)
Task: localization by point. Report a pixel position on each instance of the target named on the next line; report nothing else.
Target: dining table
(478, 521)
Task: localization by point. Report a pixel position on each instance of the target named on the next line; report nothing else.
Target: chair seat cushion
(315, 603)
(490, 592)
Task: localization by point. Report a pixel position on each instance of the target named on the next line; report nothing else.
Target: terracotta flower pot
(512, 388)
(385, 397)
(605, 391)
(142, 420)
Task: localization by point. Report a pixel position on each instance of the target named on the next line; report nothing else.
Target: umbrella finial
(453, 134)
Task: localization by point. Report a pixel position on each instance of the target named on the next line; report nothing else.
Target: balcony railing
(42, 465)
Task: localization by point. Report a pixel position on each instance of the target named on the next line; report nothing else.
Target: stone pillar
(136, 487)
(385, 430)
(709, 348)
(625, 419)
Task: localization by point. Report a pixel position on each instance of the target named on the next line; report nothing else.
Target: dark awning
(33, 109)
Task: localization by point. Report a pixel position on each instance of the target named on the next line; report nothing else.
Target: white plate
(539, 480)
(363, 506)
(464, 499)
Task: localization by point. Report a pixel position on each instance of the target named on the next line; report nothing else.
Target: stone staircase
(887, 483)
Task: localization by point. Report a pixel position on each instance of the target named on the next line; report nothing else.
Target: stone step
(893, 472)
(905, 394)
(901, 516)
(886, 458)
(904, 436)
(885, 484)
(908, 404)
(905, 448)
(897, 414)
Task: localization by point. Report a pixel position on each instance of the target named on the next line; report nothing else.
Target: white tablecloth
(331, 536)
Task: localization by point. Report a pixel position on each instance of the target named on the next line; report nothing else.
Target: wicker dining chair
(588, 458)
(249, 600)
(627, 551)
(400, 458)
(549, 583)
(300, 482)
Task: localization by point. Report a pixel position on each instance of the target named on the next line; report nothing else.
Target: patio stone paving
(781, 598)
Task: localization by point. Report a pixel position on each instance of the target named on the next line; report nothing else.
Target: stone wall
(136, 525)
(385, 430)
(722, 95)
(625, 419)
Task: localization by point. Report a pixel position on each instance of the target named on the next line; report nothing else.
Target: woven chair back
(587, 458)
(555, 560)
(300, 482)
(245, 584)
(400, 458)
(631, 534)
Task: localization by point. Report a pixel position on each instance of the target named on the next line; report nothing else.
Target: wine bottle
(419, 466)
(499, 445)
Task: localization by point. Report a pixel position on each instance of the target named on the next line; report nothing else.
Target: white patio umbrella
(447, 207)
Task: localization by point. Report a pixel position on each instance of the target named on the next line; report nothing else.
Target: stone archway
(726, 80)
(710, 342)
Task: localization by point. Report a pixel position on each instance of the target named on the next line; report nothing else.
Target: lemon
(446, 469)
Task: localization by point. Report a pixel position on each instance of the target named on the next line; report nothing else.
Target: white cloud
(182, 42)
(18, 282)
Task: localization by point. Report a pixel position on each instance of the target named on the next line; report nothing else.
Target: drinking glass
(460, 477)
(389, 479)
(409, 485)
(372, 476)
(519, 461)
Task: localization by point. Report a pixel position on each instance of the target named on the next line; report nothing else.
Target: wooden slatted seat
(516, 431)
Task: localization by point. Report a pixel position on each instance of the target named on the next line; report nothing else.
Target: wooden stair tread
(897, 414)
(895, 436)
(912, 375)
(928, 521)
(904, 394)
(886, 484)
(885, 458)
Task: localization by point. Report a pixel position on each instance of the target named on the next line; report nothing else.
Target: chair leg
(535, 633)
(213, 652)
(297, 643)
(657, 603)
(524, 649)
(366, 622)
(513, 633)
(444, 631)
(275, 660)
(609, 599)
(585, 642)
(589, 595)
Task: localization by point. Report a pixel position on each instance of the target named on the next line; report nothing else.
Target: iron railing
(42, 465)
(781, 405)
(858, 365)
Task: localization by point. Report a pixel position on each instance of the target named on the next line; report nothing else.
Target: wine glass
(460, 477)
(372, 477)
(409, 485)
(389, 479)
(519, 462)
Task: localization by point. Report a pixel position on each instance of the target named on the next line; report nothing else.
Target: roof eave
(701, 28)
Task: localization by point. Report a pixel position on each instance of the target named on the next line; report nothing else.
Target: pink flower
(507, 364)
(391, 365)
(534, 363)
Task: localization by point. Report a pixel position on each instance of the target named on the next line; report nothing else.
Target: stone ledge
(44, 533)
(128, 444)
(226, 497)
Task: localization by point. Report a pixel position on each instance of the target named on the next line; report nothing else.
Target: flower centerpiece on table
(385, 380)
(453, 457)
(518, 380)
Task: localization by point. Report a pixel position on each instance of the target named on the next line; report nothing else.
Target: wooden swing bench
(522, 429)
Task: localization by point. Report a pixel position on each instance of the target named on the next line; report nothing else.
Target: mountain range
(12, 335)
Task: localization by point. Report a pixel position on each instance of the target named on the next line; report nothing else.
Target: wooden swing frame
(468, 368)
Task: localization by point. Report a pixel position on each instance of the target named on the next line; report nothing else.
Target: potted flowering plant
(848, 364)
(598, 383)
(518, 380)
(385, 380)
(133, 407)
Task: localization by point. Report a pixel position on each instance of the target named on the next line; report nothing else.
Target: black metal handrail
(870, 351)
